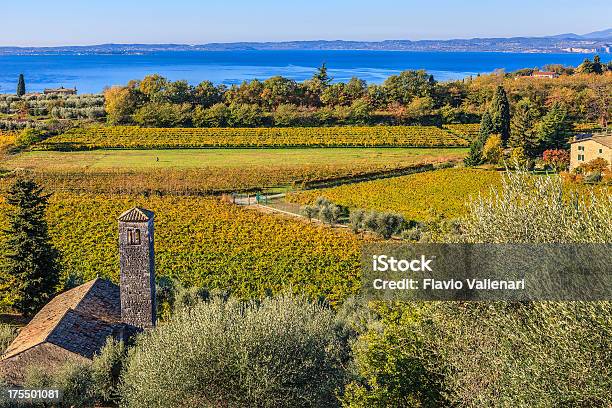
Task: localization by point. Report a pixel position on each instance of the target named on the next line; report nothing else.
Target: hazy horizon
(283, 41)
(69, 23)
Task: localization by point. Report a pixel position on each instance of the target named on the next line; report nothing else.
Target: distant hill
(602, 35)
(595, 42)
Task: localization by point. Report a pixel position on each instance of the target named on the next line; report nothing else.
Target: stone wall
(137, 280)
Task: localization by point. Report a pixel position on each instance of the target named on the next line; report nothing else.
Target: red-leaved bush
(557, 159)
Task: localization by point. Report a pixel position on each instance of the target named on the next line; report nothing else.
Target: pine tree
(586, 67)
(21, 89)
(500, 114)
(474, 157)
(554, 130)
(522, 128)
(32, 261)
(597, 65)
(322, 75)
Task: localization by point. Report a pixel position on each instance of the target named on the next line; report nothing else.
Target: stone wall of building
(137, 279)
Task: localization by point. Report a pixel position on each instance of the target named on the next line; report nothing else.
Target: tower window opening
(133, 236)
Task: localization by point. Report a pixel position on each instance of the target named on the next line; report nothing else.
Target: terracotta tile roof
(601, 139)
(136, 214)
(78, 320)
(604, 140)
(81, 333)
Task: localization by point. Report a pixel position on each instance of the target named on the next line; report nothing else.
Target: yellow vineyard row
(204, 242)
(422, 197)
(145, 138)
(466, 131)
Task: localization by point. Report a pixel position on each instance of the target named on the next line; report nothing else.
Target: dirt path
(271, 210)
(252, 199)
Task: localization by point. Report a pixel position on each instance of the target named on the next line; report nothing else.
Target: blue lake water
(92, 73)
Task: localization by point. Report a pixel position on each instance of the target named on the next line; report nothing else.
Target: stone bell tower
(137, 260)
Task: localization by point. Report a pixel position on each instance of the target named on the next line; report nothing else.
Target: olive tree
(280, 352)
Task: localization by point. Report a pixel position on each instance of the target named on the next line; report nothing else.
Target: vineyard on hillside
(203, 181)
(422, 197)
(7, 139)
(466, 131)
(133, 137)
(204, 242)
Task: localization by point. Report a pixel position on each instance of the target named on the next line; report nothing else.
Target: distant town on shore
(594, 42)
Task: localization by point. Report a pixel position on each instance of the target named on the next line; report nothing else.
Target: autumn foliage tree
(492, 152)
(119, 102)
(557, 159)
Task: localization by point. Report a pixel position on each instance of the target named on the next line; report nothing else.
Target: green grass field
(193, 158)
(212, 171)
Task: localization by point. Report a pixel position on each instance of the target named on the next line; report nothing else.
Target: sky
(86, 22)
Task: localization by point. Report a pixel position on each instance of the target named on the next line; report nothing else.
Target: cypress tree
(500, 114)
(21, 89)
(474, 157)
(32, 261)
(597, 65)
(522, 128)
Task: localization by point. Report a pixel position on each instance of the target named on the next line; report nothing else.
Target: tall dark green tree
(32, 261)
(554, 130)
(500, 114)
(322, 75)
(474, 157)
(21, 89)
(598, 67)
(586, 67)
(522, 128)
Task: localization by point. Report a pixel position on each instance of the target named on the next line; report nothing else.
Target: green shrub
(594, 177)
(73, 379)
(309, 211)
(531, 209)
(286, 115)
(28, 137)
(356, 218)
(215, 116)
(106, 370)
(7, 335)
(392, 362)
(501, 354)
(330, 213)
(163, 115)
(383, 224)
(537, 354)
(282, 352)
(244, 115)
(189, 297)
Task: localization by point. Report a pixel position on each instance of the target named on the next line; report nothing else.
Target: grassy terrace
(192, 158)
(193, 171)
